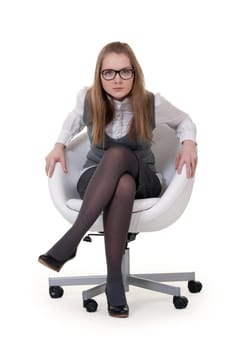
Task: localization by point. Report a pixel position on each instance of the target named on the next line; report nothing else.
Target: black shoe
(121, 311)
(52, 263)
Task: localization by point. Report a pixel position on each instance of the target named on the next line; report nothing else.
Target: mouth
(118, 89)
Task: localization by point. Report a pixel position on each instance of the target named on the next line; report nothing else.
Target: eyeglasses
(110, 74)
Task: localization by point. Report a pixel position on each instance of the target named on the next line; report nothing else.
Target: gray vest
(140, 147)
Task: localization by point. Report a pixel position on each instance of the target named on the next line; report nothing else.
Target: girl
(120, 116)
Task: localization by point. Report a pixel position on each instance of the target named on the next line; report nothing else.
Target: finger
(63, 164)
(192, 169)
(51, 169)
(177, 161)
(188, 168)
(188, 171)
(193, 166)
(47, 167)
(180, 166)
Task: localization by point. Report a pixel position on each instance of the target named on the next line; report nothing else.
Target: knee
(119, 160)
(118, 153)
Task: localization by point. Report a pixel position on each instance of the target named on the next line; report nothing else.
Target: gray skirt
(147, 184)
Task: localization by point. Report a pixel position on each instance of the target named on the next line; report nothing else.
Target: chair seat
(139, 204)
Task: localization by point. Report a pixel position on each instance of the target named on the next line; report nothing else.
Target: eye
(126, 73)
(108, 73)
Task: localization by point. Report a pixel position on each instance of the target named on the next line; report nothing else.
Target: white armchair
(149, 215)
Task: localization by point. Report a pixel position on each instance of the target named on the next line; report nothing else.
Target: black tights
(111, 190)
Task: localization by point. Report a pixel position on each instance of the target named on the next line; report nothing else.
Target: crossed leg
(111, 190)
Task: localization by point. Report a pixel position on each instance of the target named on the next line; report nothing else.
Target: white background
(48, 52)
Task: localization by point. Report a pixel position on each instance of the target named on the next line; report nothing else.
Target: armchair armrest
(169, 207)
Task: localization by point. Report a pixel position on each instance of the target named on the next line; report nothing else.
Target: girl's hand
(188, 156)
(56, 155)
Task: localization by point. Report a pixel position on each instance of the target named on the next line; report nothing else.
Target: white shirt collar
(126, 102)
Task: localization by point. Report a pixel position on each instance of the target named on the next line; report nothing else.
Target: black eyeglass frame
(117, 72)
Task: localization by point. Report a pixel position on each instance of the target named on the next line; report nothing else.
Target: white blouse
(165, 113)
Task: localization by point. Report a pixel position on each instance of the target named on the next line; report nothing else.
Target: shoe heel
(120, 311)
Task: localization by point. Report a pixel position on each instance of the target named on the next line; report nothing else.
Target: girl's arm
(72, 125)
(166, 113)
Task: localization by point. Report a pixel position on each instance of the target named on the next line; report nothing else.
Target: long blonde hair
(101, 107)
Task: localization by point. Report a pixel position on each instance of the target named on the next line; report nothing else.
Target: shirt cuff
(187, 136)
(64, 137)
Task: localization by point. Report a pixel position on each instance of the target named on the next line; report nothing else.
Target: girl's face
(117, 84)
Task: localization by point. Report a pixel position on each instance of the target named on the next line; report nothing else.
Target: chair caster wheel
(90, 305)
(180, 302)
(194, 286)
(56, 292)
